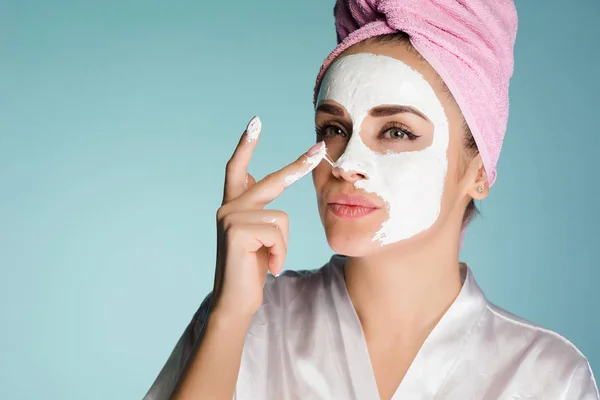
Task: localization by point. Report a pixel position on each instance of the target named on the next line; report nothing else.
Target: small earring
(480, 189)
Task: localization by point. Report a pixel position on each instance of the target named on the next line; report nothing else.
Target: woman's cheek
(320, 176)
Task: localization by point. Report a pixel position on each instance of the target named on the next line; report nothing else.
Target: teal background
(117, 118)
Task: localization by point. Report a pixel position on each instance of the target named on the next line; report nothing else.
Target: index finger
(237, 167)
(271, 187)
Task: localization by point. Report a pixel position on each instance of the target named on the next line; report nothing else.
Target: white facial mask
(411, 183)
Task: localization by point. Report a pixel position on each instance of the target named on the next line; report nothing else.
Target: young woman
(411, 109)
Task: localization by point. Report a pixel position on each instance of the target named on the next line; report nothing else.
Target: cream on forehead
(362, 81)
(411, 183)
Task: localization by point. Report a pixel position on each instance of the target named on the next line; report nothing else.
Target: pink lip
(349, 206)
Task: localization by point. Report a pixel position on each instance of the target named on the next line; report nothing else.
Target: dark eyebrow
(331, 109)
(386, 111)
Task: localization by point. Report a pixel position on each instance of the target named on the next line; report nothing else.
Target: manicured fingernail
(253, 129)
(315, 149)
(315, 154)
(312, 157)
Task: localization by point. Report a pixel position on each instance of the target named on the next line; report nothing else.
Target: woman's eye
(331, 131)
(398, 133)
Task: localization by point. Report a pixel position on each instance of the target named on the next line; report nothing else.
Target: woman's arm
(170, 374)
(206, 359)
(212, 370)
(250, 242)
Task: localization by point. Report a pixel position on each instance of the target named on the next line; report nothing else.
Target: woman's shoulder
(546, 353)
(532, 334)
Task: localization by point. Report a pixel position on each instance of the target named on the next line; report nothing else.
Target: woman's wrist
(227, 321)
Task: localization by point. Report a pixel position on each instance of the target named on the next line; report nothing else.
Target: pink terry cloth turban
(468, 42)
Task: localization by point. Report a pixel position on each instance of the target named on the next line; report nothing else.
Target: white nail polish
(253, 129)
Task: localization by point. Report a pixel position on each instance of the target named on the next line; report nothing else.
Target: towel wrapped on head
(468, 42)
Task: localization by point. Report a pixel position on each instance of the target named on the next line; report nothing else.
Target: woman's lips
(349, 212)
(350, 206)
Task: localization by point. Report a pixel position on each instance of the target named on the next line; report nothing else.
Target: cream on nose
(350, 167)
(348, 175)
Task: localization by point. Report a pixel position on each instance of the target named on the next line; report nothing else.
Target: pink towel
(468, 42)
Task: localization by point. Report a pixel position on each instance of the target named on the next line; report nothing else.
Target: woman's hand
(250, 239)
(250, 242)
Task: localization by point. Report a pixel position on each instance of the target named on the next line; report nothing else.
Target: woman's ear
(476, 179)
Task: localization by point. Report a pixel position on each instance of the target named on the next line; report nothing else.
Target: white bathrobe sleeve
(169, 376)
(582, 385)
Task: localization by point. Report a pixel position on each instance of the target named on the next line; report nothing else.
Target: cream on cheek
(411, 183)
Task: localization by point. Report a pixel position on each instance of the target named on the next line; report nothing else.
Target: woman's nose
(348, 174)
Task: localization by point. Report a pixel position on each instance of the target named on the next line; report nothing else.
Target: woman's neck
(403, 291)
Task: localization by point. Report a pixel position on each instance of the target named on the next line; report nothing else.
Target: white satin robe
(306, 342)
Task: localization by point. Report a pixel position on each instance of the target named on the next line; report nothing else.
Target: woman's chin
(352, 245)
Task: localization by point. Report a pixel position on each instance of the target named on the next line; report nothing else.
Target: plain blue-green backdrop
(117, 118)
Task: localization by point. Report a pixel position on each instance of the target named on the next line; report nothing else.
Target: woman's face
(395, 138)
